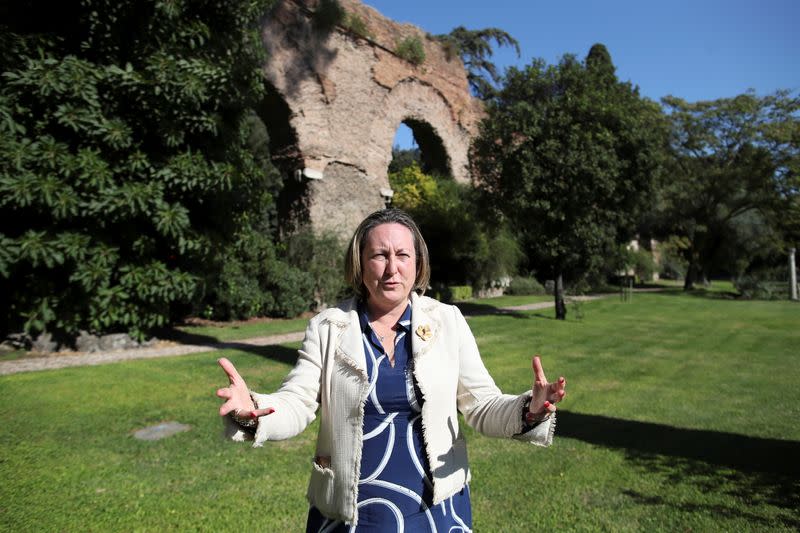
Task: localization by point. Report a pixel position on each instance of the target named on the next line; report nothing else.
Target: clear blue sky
(697, 50)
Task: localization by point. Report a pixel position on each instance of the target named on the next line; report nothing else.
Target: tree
(568, 155)
(125, 168)
(732, 190)
(465, 250)
(474, 47)
(403, 157)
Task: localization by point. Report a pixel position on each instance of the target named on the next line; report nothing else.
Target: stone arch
(347, 94)
(429, 115)
(274, 112)
(285, 154)
(433, 154)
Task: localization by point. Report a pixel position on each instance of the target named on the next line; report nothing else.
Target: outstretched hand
(544, 395)
(237, 395)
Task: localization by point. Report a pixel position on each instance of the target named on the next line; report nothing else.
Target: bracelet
(527, 424)
(246, 422)
(242, 421)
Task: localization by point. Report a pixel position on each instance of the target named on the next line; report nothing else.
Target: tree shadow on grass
(274, 352)
(551, 316)
(700, 293)
(476, 309)
(753, 469)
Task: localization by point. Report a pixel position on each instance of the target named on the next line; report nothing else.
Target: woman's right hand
(237, 395)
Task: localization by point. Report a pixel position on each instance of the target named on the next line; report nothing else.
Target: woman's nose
(391, 264)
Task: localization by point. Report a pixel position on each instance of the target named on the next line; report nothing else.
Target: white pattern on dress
(389, 446)
(413, 454)
(376, 361)
(400, 523)
(463, 528)
(404, 491)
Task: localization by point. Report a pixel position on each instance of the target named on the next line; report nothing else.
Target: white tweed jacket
(330, 375)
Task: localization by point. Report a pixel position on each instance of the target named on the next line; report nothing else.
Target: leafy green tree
(732, 189)
(126, 158)
(403, 157)
(474, 47)
(465, 250)
(568, 155)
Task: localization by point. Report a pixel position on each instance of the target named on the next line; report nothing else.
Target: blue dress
(395, 491)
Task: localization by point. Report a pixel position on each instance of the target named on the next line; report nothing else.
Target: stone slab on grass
(161, 431)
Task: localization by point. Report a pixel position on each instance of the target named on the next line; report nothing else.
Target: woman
(388, 370)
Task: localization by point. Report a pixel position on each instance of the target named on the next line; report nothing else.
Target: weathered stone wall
(348, 95)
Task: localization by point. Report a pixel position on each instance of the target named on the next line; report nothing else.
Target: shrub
(639, 261)
(453, 293)
(450, 48)
(329, 14)
(459, 293)
(253, 281)
(525, 285)
(289, 291)
(764, 284)
(237, 294)
(643, 265)
(356, 25)
(321, 256)
(754, 288)
(412, 50)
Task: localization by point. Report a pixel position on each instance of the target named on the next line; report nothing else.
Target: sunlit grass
(513, 301)
(683, 414)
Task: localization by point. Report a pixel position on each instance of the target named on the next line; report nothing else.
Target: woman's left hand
(544, 395)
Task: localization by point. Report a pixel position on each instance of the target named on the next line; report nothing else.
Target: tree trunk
(702, 278)
(688, 282)
(558, 291)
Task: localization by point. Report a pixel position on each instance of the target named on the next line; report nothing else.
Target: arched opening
(275, 113)
(285, 155)
(416, 140)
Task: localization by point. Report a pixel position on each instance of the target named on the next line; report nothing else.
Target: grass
(511, 301)
(243, 330)
(682, 414)
(12, 355)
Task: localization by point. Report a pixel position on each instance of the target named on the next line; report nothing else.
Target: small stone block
(161, 431)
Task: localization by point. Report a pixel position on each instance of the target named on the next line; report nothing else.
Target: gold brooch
(424, 332)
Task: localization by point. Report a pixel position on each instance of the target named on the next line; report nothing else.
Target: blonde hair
(353, 273)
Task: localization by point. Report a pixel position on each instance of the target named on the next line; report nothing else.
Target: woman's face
(389, 266)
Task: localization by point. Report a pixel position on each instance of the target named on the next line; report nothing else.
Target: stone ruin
(335, 101)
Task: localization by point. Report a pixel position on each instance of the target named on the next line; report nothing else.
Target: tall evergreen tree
(474, 47)
(568, 155)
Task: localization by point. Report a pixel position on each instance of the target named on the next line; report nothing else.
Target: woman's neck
(386, 317)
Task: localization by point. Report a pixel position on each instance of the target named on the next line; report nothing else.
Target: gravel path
(50, 362)
(33, 364)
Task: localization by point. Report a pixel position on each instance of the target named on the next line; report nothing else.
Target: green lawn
(244, 330)
(511, 301)
(683, 414)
